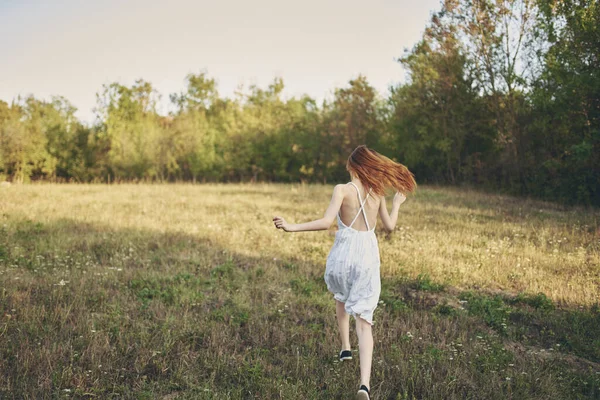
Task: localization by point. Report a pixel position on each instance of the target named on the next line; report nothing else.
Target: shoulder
(340, 190)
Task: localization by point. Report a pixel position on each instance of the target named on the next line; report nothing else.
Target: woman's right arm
(389, 219)
(320, 224)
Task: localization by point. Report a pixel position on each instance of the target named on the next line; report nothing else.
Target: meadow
(188, 292)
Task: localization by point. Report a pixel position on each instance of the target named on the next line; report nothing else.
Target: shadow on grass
(507, 208)
(93, 312)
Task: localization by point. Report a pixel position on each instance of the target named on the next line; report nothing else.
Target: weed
(424, 282)
(491, 309)
(538, 301)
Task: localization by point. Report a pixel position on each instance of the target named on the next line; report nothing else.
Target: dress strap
(362, 207)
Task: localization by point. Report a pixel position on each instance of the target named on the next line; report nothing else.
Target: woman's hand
(399, 198)
(280, 223)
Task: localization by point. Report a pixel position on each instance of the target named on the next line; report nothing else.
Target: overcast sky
(72, 47)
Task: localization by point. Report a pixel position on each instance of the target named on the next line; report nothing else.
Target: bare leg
(365, 348)
(343, 320)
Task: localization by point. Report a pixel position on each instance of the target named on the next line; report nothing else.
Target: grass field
(188, 292)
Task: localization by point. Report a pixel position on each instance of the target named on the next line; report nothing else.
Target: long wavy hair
(377, 172)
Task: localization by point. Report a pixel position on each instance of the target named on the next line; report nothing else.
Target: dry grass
(187, 291)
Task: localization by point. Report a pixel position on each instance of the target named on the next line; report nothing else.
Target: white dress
(352, 271)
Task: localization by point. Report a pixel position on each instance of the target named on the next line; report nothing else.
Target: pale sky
(72, 47)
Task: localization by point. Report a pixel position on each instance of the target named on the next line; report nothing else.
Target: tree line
(501, 94)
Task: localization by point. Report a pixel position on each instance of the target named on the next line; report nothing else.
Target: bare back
(351, 207)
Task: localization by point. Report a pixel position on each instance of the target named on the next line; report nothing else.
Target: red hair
(377, 172)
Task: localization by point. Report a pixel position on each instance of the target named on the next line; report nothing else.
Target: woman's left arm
(319, 224)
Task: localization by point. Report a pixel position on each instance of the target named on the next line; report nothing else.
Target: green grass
(188, 292)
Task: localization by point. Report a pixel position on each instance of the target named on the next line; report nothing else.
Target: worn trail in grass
(183, 291)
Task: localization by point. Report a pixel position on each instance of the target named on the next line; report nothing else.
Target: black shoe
(363, 393)
(345, 355)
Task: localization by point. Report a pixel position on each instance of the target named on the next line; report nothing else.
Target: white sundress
(352, 269)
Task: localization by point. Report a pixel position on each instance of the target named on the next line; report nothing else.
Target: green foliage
(538, 301)
(445, 309)
(224, 271)
(424, 282)
(303, 286)
(392, 303)
(493, 310)
(149, 289)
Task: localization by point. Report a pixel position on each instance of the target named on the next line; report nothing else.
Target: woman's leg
(343, 320)
(365, 348)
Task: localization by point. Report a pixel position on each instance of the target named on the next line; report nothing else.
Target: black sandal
(345, 355)
(363, 393)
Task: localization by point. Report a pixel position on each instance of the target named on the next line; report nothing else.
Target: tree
(130, 125)
(440, 126)
(494, 35)
(565, 133)
(353, 118)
